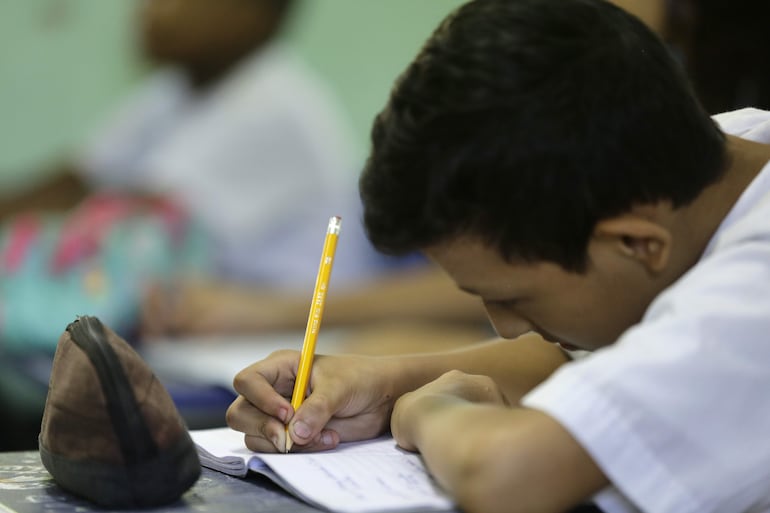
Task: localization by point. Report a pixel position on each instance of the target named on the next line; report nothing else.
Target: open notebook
(370, 476)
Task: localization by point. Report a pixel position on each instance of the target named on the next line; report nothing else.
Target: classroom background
(65, 63)
(65, 66)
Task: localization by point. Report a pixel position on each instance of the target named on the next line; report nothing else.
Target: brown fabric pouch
(110, 431)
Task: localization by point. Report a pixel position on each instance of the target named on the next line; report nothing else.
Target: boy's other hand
(450, 388)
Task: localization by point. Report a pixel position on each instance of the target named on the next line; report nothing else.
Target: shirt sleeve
(114, 155)
(677, 412)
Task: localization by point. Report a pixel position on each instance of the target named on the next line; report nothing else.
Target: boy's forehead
(470, 262)
(480, 269)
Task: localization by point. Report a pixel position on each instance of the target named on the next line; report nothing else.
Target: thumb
(311, 417)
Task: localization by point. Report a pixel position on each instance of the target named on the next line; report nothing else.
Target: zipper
(134, 437)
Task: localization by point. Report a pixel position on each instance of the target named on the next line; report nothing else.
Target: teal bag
(96, 260)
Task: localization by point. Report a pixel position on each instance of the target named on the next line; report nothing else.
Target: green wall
(63, 63)
(362, 45)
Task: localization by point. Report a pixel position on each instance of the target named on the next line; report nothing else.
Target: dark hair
(524, 122)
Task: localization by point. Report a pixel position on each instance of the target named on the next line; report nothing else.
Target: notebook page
(368, 476)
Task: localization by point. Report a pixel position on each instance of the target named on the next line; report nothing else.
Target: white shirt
(262, 159)
(677, 411)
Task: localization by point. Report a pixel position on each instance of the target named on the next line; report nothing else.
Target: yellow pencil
(314, 318)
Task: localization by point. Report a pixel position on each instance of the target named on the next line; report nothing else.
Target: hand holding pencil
(352, 397)
(314, 318)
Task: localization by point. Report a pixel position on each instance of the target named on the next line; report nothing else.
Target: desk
(26, 487)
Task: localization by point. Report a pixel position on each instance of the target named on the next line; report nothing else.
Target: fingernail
(327, 439)
(301, 429)
(283, 413)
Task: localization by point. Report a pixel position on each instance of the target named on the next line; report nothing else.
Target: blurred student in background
(283, 176)
(233, 136)
(237, 131)
(232, 126)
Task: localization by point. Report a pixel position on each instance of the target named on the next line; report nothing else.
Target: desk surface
(26, 487)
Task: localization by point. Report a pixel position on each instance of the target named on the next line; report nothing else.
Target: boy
(551, 157)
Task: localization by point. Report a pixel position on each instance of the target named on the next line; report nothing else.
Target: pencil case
(110, 431)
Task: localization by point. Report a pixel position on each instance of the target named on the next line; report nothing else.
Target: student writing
(551, 157)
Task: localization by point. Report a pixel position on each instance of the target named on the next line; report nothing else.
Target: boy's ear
(638, 238)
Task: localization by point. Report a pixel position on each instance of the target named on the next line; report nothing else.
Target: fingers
(344, 405)
(263, 408)
(401, 423)
(266, 434)
(307, 423)
(333, 406)
(275, 373)
(263, 433)
(359, 427)
(451, 389)
(267, 384)
(325, 440)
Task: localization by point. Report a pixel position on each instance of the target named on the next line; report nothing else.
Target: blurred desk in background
(216, 359)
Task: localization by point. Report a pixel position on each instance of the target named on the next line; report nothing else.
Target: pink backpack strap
(22, 233)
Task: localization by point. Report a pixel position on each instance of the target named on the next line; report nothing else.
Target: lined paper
(369, 476)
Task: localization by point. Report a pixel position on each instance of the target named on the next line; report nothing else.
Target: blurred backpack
(95, 260)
